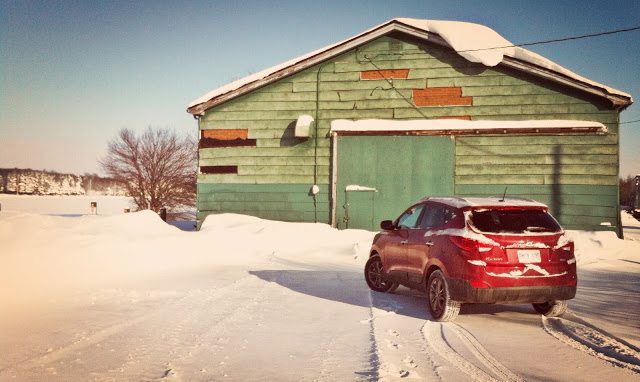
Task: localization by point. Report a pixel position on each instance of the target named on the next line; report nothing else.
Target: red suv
(475, 250)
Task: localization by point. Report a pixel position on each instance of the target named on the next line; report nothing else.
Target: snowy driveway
(271, 308)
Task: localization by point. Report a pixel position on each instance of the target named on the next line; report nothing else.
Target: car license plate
(529, 255)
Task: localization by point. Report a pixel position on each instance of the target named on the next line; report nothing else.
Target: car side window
(449, 215)
(433, 217)
(436, 216)
(411, 217)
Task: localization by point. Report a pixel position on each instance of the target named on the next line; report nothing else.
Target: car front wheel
(375, 277)
(441, 306)
(551, 308)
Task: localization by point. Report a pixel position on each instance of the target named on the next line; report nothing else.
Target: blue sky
(73, 73)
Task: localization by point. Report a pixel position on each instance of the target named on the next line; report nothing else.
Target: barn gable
(251, 162)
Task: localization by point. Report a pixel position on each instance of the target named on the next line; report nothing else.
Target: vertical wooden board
(402, 169)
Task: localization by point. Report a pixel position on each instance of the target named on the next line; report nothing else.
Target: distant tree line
(43, 182)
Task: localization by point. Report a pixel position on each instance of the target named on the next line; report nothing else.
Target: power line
(558, 39)
(624, 30)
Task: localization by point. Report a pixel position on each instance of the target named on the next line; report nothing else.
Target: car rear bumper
(462, 291)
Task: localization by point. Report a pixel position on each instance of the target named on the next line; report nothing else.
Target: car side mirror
(387, 225)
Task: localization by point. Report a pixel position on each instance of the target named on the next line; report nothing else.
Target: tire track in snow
(434, 336)
(152, 337)
(590, 340)
(64, 351)
(483, 355)
(374, 359)
(197, 331)
(400, 348)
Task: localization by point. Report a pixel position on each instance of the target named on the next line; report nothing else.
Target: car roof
(495, 201)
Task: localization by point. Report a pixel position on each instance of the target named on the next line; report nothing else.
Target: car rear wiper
(538, 229)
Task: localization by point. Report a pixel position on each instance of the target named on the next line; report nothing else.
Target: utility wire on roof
(624, 123)
(370, 59)
(390, 82)
(558, 39)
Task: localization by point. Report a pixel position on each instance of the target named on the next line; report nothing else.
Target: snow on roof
(474, 42)
(457, 124)
(486, 202)
(478, 43)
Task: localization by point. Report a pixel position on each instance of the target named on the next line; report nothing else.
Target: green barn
(352, 133)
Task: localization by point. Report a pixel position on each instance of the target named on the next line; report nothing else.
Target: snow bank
(47, 257)
(297, 242)
(603, 249)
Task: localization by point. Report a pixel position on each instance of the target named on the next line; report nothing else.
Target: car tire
(375, 277)
(441, 306)
(551, 308)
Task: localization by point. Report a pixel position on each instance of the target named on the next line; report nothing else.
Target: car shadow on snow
(345, 287)
(350, 288)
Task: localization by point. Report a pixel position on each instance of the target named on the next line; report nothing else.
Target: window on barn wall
(219, 169)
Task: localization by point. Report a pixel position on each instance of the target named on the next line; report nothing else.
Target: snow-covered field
(128, 297)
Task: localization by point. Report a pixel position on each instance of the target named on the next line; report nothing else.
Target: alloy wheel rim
(375, 274)
(437, 296)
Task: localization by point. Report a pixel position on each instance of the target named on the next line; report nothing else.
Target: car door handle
(404, 242)
(429, 243)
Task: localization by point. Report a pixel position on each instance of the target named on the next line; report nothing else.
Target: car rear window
(514, 221)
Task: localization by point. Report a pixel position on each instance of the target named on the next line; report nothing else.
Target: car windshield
(514, 221)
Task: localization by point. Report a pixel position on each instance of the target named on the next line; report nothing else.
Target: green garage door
(401, 170)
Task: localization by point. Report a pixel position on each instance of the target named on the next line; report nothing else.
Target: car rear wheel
(551, 308)
(375, 277)
(441, 307)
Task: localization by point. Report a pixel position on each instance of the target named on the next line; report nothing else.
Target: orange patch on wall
(226, 134)
(384, 73)
(449, 96)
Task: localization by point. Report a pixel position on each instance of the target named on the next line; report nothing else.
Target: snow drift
(48, 256)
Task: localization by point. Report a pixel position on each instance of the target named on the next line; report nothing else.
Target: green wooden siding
(286, 202)
(576, 177)
(281, 161)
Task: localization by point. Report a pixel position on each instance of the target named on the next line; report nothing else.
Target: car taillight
(465, 243)
(567, 247)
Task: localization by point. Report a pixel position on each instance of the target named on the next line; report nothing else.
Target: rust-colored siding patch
(219, 169)
(384, 73)
(450, 96)
(226, 134)
(225, 138)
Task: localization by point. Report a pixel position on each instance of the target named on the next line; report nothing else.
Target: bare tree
(157, 168)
